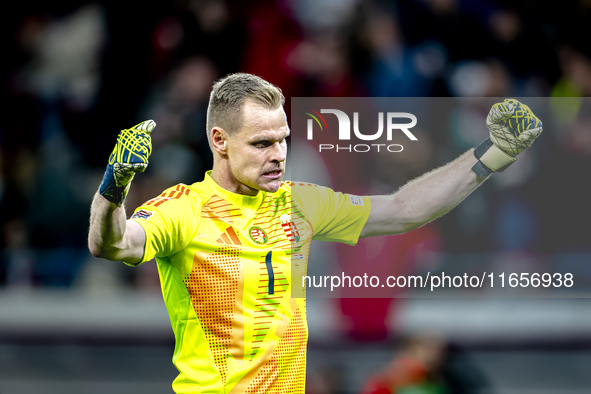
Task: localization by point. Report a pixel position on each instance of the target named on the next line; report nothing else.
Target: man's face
(257, 151)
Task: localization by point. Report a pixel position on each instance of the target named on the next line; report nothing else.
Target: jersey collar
(240, 200)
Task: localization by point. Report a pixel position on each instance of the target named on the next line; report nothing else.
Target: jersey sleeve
(169, 221)
(335, 216)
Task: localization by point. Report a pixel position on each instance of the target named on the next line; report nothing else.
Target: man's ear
(219, 139)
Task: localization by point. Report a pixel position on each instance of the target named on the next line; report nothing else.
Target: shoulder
(176, 198)
(182, 193)
(289, 186)
(304, 195)
(298, 188)
(284, 190)
(303, 189)
(310, 195)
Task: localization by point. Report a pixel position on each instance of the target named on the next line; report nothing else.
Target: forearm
(439, 191)
(110, 235)
(106, 237)
(424, 199)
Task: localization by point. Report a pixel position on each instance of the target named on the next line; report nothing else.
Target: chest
(261, 250)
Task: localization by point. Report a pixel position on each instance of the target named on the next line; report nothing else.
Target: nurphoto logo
(392, 120)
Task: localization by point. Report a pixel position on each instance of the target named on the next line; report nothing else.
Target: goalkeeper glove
(129, 157)
(513, 127)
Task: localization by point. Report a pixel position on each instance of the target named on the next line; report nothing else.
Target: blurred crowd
(75, 72)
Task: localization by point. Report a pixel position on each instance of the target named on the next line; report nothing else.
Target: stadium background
(74, 73)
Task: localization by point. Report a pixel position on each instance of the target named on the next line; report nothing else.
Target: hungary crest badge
(258, 235)
(290, 229)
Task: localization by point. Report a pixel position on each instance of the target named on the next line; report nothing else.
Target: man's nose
(279, 152)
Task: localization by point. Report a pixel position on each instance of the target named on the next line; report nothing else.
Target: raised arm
(111, 236)
(513, 128)
(423, 199)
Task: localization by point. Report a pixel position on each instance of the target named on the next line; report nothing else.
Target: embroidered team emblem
(258, 235)
(290, 229)
(142, 214)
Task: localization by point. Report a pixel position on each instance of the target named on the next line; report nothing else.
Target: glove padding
(513, 127)
(129, 157)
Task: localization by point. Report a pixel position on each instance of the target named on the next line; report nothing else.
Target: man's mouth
(273, 174)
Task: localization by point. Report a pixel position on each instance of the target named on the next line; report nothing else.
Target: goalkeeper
(224, 246)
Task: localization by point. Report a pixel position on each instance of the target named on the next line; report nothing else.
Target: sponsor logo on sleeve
(356, 200)
(142, 214)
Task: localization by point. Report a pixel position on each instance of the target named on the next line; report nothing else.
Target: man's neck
(226, 180)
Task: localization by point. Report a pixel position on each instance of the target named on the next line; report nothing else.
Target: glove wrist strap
(110, 190)
(490, 159)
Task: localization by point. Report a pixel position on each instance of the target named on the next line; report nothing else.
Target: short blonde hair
(229, 94)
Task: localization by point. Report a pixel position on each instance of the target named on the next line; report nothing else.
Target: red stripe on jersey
(163, 200)
(152, 201)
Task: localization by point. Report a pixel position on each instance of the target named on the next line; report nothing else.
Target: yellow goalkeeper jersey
(225, 263)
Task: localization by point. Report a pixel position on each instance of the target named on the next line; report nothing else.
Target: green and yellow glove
(512, 127)
(129, 157)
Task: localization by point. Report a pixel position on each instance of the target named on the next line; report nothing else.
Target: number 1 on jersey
(269, 264)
